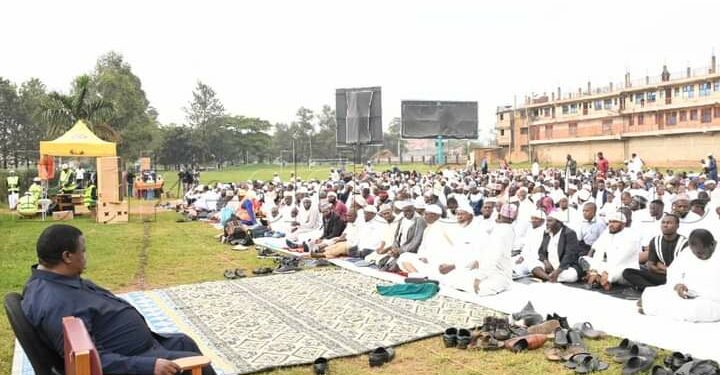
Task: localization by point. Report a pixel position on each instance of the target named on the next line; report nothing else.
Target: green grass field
(145, 255)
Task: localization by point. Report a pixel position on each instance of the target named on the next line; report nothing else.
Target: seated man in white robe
(488, 216)
(567, 215)
(688, 219)
(465, 238)
(491, 272)
(528, 257)
(616, 250)
(691, 293)
(435, 244)
(308, 223)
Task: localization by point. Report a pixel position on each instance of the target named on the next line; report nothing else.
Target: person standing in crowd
(570, 170)
(13, 188)
(603, 165)
(712, 168)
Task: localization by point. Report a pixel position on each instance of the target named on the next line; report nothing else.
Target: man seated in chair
(124, 341)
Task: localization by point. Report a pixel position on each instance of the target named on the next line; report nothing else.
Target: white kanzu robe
(702, 277)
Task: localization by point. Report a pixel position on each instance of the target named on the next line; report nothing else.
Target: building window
(546, 111)
(607, 127)
(639, 97)
(572, 129)
(565, 110)
(717, 112)
(671, 118)
(706, 115)
(502, 116)
(683, 115)
(659, 119)
(632, 120)
(677, 92)
(650, 96)
(688, 91)
(717, 85)
(704, 89)
(573, 108)
(693, 115)
(502, 132)
(523, 130)
(598, 105)
(607, 104)
(640, 119)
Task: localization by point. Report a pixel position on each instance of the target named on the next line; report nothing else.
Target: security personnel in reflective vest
(90, 196)
(27, 206)
(67, 179)
(36, 189)
(13, 190)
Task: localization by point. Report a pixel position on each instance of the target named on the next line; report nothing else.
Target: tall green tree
(176, 147)
(61, 111)
(32, 95)
(10, 121)
(203, 116)
(133, 117)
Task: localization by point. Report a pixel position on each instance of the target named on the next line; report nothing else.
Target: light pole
(294, 163)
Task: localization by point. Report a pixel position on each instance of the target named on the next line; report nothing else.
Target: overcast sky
(267, 58)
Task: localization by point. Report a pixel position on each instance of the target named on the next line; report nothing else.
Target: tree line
(111, 100)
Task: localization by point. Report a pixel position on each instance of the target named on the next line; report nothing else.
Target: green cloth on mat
(419, 292)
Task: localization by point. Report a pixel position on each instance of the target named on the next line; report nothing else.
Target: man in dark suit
(600, 195)
(124, 341)
(558, 253)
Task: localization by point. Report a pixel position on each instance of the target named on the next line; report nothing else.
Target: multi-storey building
(673, 118)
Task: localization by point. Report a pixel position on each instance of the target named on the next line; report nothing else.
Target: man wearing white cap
(488, 216)
(615, 251)
(524, 262)
(688, 219)
(491, 271)
(371, 232)
(433, 250)
(558, 254)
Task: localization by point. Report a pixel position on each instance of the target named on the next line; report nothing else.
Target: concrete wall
(668, 150)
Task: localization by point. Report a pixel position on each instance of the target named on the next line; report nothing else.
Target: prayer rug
(259, 323)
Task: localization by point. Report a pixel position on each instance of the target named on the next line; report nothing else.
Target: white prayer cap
(572, 187)
(472, 184)
(288, 194)
(514, 199)
(557, 215)
(584, 194)
(385, 207)
(463, 205)
(370, 208)
(709, 154)
(332, 194)
(360, 201)
(681, 197)
(37, 179)
(433, 209)
(540, 214)
(617, 216)
(708, 182)
(419, 203)
(400, 205)
(491, 200)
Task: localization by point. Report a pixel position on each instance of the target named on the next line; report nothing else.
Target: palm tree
(62, 111)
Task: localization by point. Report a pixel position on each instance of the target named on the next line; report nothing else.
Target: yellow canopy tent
(79, 141)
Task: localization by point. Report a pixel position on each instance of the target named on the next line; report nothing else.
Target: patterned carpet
(254, 324)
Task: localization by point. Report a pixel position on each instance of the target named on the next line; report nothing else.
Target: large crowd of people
(477, 230)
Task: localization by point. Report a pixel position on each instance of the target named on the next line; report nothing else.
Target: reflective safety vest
(12, 183)
(36, 191)
(27, 206)
(89, 198)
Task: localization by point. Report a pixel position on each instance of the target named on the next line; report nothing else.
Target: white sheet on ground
(615, 316)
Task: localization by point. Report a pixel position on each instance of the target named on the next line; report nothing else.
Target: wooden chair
(81, 358)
